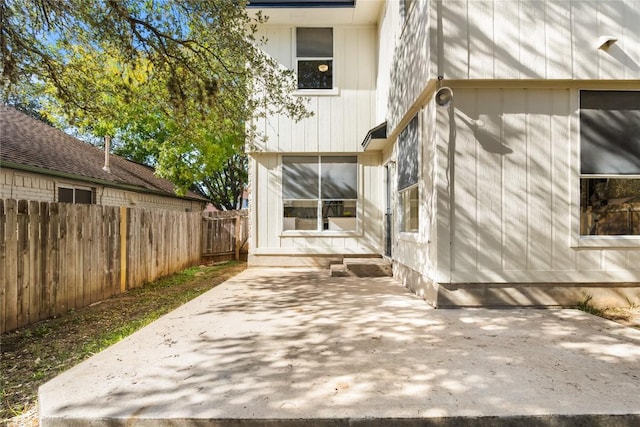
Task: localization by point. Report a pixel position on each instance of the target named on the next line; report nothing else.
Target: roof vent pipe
(107, 148)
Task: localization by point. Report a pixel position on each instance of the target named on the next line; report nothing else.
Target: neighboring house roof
(29, 144)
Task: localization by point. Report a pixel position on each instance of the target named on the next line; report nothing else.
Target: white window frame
(334, 78)
(404, 212)
(578, 240)
(411, 235)
(320, 232)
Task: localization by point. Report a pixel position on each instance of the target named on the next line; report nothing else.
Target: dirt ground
(32, 355)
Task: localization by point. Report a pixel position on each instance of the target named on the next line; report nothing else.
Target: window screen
(300, 177)
(610, 132)
(314, 42)
(339, 177)
(408, 155)
(314, 51)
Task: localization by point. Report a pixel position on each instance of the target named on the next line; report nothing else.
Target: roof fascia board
(301, 4)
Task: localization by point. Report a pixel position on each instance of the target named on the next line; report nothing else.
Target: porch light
(323, 68)
(444, 95)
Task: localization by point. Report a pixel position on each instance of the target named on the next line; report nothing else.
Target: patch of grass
(32, 355)
(586, 306)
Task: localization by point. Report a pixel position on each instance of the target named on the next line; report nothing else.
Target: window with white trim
(76, 195)
(320, 193)
(609, 163)
(408, 174)
(314, 58)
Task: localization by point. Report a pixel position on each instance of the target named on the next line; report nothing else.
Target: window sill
(317, 92)
(604, 242)
(314, 233)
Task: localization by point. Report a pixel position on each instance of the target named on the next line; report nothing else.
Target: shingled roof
(29, 144)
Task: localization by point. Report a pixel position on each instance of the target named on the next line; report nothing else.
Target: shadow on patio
(298, 346)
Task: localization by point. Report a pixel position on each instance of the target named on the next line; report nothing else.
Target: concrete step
(368, 267)
(339, 270)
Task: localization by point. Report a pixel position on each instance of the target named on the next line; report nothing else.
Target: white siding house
(520, 186)
(315, 193)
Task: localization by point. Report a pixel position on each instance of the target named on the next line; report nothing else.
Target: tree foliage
(174, 82)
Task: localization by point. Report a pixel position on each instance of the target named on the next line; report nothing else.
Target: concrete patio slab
(297, 347)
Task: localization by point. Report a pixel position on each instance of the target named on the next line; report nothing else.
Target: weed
(586, 306)
(632, 304)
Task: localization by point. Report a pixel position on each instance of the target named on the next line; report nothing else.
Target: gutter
(129, 187)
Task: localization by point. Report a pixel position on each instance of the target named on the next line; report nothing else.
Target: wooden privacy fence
(55, 257)
(224, 234)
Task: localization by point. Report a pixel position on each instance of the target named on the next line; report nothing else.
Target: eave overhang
(376, 138)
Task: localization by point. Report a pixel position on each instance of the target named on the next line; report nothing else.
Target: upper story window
(314, 57)
(76, 195)
(609, 163)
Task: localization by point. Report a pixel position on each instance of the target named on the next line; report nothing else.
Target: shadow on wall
(509, 201)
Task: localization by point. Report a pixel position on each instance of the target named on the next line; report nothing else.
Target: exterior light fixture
(443, 97)
(323, 68)
(605, 42)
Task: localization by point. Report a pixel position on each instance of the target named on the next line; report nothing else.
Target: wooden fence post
(237, 243)
(123, 249)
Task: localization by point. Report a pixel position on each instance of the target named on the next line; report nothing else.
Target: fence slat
(65, 293)
(57, 297)
(34, 265)
(22, 277)
(3, 277)
(10, 267)
(67, 250)
(44, 277)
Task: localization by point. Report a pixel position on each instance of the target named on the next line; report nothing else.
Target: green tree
(224, 187)
(174, 82)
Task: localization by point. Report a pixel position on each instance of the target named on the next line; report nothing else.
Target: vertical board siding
(561, 259)
(513, 185)
(55, 257)
(531, 39)
(340, 120)
(539, 185)
(465, 248)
